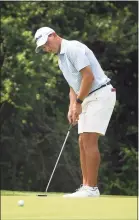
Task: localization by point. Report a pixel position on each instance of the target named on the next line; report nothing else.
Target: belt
(108, 83)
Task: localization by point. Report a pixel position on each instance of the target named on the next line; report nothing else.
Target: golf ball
(21, 203)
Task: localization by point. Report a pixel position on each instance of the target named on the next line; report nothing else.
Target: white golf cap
(41, 37)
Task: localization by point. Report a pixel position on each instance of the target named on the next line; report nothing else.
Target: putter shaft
(58, 157)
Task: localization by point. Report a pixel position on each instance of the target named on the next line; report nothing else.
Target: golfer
(92, 100)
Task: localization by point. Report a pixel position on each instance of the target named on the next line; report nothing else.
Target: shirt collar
(63, 46)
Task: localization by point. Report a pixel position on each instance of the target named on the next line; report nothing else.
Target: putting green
(55, 207)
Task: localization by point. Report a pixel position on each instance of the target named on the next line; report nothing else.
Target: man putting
(92, 100)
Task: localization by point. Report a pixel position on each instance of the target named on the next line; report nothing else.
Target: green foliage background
(34, 95)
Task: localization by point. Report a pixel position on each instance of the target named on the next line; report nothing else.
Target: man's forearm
(85, 87)
(72, 97)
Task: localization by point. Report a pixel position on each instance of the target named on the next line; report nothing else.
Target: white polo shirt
(73, 57)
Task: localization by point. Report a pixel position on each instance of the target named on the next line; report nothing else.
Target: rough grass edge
(29, 193)
(25, 193)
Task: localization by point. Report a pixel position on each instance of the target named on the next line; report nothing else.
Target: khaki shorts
(97, 109)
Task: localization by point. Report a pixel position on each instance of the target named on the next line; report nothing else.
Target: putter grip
(70, 127)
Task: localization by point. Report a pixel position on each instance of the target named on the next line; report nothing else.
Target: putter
(56, 162)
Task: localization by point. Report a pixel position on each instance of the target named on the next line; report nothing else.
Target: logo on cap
(37, 38)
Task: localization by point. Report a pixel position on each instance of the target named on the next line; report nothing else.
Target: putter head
(42, 195)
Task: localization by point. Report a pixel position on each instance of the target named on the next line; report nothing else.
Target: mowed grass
(55, 207)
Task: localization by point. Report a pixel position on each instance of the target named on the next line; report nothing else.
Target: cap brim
(40, 43)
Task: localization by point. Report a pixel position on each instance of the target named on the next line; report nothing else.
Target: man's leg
(83, 160)
(90, 160)
(92, 157)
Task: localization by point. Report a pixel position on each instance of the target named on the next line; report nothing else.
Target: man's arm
(72, 97)
(86, 83)
(80, 61)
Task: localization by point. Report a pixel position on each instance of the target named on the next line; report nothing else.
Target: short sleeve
(77, 57)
